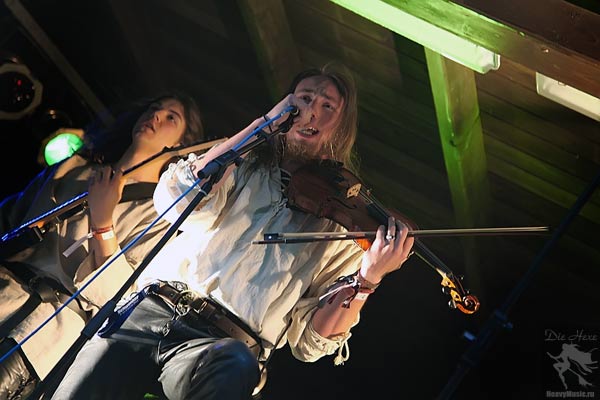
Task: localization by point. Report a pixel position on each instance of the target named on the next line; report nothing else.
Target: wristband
(104, 233)
(363, 294)
(100, 234)
(361, 289)
(365, 284)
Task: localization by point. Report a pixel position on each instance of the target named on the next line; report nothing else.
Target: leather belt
(183, 300)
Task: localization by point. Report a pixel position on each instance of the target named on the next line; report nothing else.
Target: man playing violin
(216, 305)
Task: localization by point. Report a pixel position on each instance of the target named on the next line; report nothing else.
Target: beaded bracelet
(364, 283)
(361, 289)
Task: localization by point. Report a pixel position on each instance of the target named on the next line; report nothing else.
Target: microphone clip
(286, 125)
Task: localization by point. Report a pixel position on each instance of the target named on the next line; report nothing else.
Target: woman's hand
(390, 249)
(105, 188)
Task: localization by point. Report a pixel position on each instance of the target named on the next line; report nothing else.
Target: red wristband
(104, 233)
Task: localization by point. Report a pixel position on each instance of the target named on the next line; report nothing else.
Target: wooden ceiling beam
(555, 21)
(271, 35)
(459, 123)
(553, 37)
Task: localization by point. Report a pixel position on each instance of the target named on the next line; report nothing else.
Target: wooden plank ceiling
(441, 144)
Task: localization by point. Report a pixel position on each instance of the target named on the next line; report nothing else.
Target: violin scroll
(327, 190)
(459, 297)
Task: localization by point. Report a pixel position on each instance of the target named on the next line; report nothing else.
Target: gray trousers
(155, 352)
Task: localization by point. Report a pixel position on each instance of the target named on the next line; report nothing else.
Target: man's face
(312, 135)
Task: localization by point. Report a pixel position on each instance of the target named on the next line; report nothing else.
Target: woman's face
(313, 136)
(161, 125)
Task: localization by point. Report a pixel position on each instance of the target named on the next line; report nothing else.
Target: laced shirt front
(267, 286)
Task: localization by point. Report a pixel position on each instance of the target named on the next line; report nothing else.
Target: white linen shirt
(52, 187)
(267, 286)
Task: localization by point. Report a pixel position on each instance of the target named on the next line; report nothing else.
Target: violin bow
(33, 230)
(304, 237)
(451, 284)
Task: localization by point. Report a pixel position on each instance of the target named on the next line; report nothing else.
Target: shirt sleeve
(305, 343)
(137, 218)
(98, 290)
(177, 188)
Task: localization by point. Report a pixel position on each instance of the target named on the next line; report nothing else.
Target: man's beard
(293, 150)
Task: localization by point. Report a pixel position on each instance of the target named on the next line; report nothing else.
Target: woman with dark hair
(217, 305)
(36, 281)
(107, 145)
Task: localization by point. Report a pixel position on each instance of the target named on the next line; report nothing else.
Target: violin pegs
(451, 304)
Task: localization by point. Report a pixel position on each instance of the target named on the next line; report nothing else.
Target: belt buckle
(202, 306)
(182, 306)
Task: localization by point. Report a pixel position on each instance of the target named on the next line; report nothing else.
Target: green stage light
(62, 146)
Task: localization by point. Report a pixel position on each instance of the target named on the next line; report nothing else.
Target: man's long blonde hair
(344, 137)
(342, 143)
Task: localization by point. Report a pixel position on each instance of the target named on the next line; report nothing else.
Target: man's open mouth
(310, 131)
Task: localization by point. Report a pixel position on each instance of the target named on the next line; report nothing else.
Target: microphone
(287, 124)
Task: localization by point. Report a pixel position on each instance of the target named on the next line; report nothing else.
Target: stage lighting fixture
(60, 145)
(20, 92)
(568, 96)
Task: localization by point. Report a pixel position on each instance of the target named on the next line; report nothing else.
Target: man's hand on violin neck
(389, 250)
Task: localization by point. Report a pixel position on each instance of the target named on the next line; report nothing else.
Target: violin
(326, 189)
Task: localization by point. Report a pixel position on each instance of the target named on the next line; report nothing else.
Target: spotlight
(59, 140)
(61, 144)
(20, 92)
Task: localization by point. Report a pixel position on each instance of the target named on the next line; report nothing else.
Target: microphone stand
(214, 170)
(499, 319)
